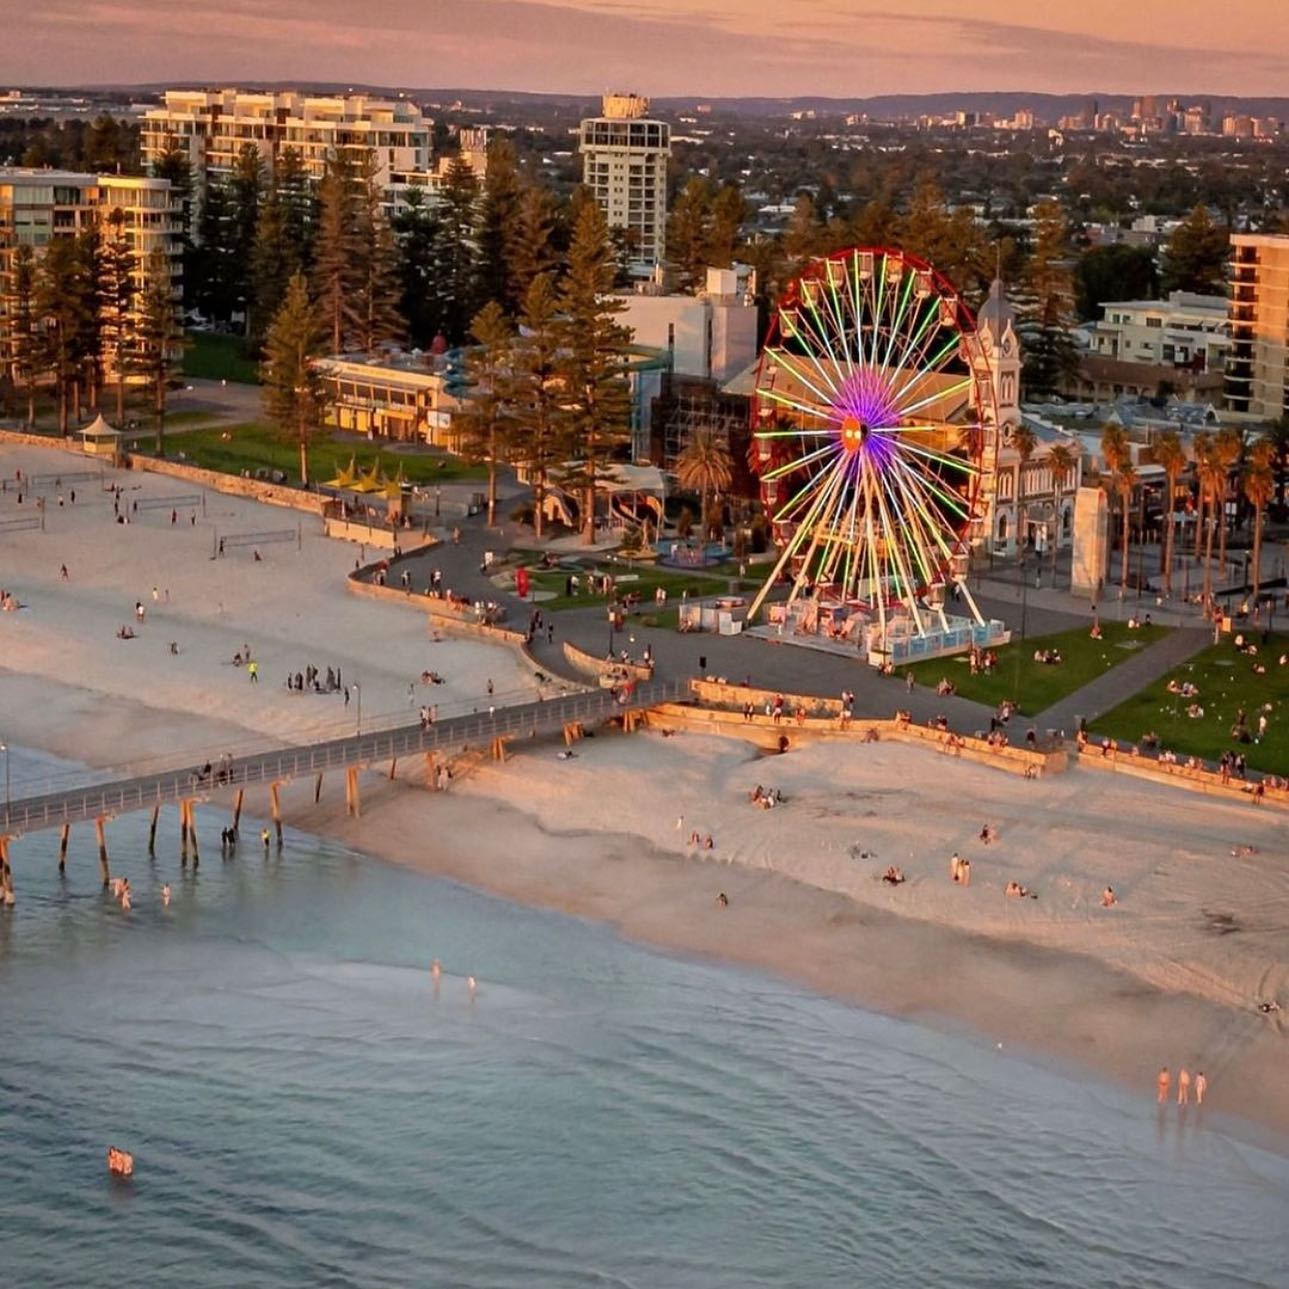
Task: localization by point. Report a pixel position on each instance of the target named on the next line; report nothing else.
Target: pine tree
(456, 254)
(499, 229)
(536, 249)
(283, 241)
(212, 265)
(535, 390)
(92, 285)
(292, 387)
(376, 287)
(1196, 254)
(24, 335)
(157, 338)
(874, 224)
(173, 164)
(1046, 303)
(299, 204)
(949, 241)
(57, 308)
(416, 226)
(487, 420)
(105, 147)
(275, 259)
(592, 362)
(689, 231)
(118, 299)
(245, 190)
(729, 210)
(333, 258)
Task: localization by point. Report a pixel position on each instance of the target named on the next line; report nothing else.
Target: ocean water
(306, 1109)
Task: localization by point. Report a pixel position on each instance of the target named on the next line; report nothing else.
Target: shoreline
(1023, 995)
(1060, 1009)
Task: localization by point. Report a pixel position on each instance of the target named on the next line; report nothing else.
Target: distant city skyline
(841, 48)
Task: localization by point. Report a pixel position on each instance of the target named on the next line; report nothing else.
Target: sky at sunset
(662, 47)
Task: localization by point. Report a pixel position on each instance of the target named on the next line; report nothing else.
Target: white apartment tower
(1257, 371)
(212, 126)
(39, 206)
(624, 163)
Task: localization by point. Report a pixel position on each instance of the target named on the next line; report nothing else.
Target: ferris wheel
(870, 434)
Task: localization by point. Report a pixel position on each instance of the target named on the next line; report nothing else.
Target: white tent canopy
(99, 430)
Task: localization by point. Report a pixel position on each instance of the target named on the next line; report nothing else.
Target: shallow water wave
(305, 1109)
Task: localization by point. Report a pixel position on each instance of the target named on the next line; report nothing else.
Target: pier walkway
(100, 801)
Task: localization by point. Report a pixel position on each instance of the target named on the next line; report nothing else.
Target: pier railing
(454, 734)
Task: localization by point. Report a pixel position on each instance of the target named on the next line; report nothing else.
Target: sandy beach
(1172, 975)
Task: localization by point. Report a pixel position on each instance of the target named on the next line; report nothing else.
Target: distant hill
(1047, 107)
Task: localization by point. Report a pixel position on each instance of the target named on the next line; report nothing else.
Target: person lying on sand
(1020, 892)
(1108, 898)
(893, 876)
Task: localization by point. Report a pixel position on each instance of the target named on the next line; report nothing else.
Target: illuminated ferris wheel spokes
(868, 439)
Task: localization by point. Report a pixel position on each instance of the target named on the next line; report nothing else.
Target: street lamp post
(358, 694)
(4, 747)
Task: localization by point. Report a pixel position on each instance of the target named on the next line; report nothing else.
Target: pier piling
(237, 809)
(353, 803)
(63, 834)
(192, 832)
(275, 807)
(6, 875)
(152, 831)
(102, 850)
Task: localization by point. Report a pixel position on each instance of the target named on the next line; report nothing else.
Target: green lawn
(646, 577)
(1035, 686)
(215, 357)
(1226, 682)
(255, 445)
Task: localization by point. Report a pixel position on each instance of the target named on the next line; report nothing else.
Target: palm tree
(1024, 441)
(1201, 450)
(1212, 479)
(1229, 446)
(1259, 488)
(1062, 460)
(705, 467)
(1170, 454)
(1117, 451)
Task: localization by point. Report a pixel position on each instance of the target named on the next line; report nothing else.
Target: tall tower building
(996, 364)
(1257, 371)
(624, 163)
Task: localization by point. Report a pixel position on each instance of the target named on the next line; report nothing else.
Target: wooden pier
(184, 786)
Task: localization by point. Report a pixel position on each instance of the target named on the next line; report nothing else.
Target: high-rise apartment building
(37, 206)
(624, 163)
(1257, 371)
(211, 128)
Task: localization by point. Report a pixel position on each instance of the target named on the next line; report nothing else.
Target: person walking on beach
(253, 670)
(1162, 1084)
(955, 867)
(1183, 1086)
(1201, 1086)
